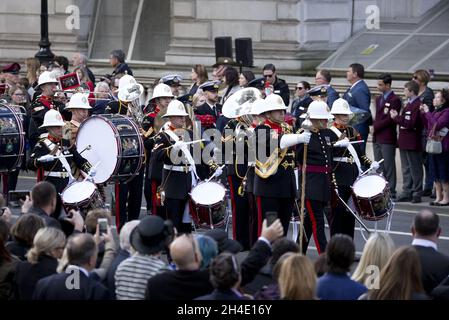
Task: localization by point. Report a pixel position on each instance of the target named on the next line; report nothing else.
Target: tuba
(130, 94)
(239, 105)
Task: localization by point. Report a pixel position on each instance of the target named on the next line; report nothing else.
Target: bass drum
(114, 146)
(371, 196)
(208, 205)
(12, 138)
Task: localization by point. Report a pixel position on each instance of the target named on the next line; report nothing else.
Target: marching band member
(151, 125)
(318, 173)
(78, 106)
(347, 164)
(274, 183)
(46, 101)
(236, 133)
(128, 196)
(170, 148)
(57, 170)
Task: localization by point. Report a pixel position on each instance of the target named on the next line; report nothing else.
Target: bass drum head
(369, 186)
(208, 193)
(99, 134)
(78, 192)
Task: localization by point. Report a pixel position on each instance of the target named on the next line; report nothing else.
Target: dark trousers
(430, 177)
(282, 206)
(388, 167)
(412, 171)
(175, 210)
(147, 189)
(341, 220)
(129, 198)
(363, 129)
(253, 223)
(314, 224)
(240, 213)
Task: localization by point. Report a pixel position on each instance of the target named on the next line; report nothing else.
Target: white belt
(178, 168)
(344, 159)
(62, 174)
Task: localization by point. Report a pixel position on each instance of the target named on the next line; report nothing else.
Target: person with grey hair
(48, 246)
(117, 60)
(82, 257)
(80, 60)
(103, 95)
(124, 253)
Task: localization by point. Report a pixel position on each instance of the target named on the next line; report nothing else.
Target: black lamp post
(44, 54)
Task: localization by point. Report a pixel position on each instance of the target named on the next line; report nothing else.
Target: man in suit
(209, 112)
(75, 283)
(385, 135)
(117, 61)
(324, 77)
(434, 265)
(359, 96)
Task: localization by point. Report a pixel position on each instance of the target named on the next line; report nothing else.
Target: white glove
(374, 165)
(288, 140)
(46, 158)
(344, 143)
(218, 172)
(92, 172)
(304, 137)
(178, 145)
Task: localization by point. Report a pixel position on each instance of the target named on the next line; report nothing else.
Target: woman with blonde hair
(378, 249)
(48, 246)
(297, 279)
(401, 278)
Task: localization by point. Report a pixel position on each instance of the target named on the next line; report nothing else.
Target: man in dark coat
(75, 283)
(434, 264)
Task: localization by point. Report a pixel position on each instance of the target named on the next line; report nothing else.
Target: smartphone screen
(103, 225)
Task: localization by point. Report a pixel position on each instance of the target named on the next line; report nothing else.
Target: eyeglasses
(268, 75)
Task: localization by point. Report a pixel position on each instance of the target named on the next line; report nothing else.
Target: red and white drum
(115, 145)
(372, 198)
(208, 205)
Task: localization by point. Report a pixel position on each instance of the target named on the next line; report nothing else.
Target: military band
(260, 170)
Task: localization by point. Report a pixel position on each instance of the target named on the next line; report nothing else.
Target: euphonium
(131, 95)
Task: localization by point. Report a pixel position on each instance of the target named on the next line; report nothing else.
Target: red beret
(13, 68)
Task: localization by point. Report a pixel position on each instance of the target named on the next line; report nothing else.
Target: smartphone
(16, 195)
(103, 225)
(271, 216)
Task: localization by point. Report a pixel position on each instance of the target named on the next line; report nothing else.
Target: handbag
(433, 146)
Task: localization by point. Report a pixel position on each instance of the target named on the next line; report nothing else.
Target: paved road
(400, 227)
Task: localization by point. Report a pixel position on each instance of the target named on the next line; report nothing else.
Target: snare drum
(82, 195)
(116, 144)
(371, 196)
(12, 138)
(208, 205)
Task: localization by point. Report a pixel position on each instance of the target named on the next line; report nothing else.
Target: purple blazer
(410, 127)
(384, 126)
(440, 119)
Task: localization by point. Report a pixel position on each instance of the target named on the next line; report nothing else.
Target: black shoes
(404, 199)
(416, 200)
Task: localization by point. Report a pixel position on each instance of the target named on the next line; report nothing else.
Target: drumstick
(187, 143)
(89, 147)
(363, 173)
(358, 141)
(213, 175)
